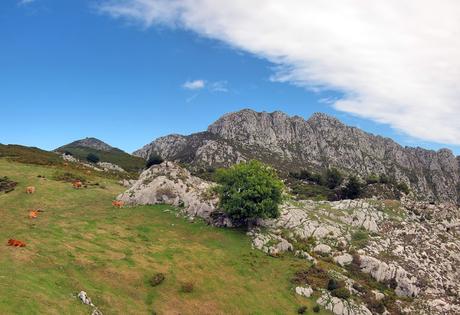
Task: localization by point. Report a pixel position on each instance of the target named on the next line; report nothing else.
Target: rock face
(168, 183)
(291, 143)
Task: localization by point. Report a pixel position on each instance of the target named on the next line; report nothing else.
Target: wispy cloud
(25, 2)
(219, 86)
(194, 85)
(395, 61)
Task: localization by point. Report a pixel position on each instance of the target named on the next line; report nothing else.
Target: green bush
(341, 293)
(353, 189)
(332, 284)
(157, 279)
(333, 178)
(316, 308)
(403, 187)
(93, 158)
(302, 310)
(249, 191)
(153, 160)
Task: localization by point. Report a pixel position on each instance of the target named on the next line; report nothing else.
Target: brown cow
(33, 214)
(118, 203)
(16, 243)
(30, 189)
(77, 184)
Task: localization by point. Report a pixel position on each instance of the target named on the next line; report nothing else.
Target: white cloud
(25, 2)
(219, 86)
(194, 85)
(395, 61)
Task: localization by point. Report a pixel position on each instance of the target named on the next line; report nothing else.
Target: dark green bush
(93, 158)
(353, 189)
(249, 191)
(316, 308)
(157, 279)
(332, 284)
(341, 293)
(333, 178)
(153, 160)
(403, 187)
(302, 310)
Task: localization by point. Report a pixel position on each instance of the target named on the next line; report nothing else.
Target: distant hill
(293, 143)
(30, 155)
(106, 153)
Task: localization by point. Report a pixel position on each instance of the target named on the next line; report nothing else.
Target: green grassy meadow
(80, 242)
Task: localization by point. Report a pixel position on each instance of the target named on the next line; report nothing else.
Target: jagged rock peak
(92, 143)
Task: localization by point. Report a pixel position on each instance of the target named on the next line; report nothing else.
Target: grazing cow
(16, 243)
(77, 184)
(30, 189)
(118, 203)
(33, 214)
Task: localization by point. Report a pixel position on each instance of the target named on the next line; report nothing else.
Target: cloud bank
(395, 61)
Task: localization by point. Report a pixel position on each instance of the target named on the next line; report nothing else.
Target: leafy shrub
(93, 158)
(316, 308)
(308, 191)
(332, 284)
(372, 179)
(333, 178)
(157, 279)
(187, 287)
(352, 189)
(384, 179)
(249, 191)
(153, 160)
(403, 187)
(341, 293)
(302, 310)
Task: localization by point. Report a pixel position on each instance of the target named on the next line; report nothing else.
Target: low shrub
(302, 310)
(341, 293)
(7, 185)
(316, 308)
(69, 177)
(316, 277)
(153, 160)
(157, 279)
(93, 158)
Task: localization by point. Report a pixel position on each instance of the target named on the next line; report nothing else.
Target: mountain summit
(91, 143)
(293, 143)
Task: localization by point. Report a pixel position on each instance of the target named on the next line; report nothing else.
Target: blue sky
(68, 71)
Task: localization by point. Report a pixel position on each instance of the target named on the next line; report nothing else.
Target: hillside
(80, 242)
(292, 143)
(81, 148)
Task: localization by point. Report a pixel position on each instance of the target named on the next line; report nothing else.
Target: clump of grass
(157, 279)
(187, 287)
(316, 308)
(7, 185)
(302, 310)
(315, 277)
(360, 238)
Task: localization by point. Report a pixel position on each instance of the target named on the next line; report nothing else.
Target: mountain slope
(81, 148)
(292, 143)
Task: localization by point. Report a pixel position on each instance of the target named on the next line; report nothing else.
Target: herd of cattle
(33, 213)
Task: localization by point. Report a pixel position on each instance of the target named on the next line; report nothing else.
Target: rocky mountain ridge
(89, 142)
(293, 143)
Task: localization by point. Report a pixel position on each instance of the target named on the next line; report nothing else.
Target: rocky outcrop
(411, 247)
(91, 143)
(171, 184)
(107, 167)
(291, 143)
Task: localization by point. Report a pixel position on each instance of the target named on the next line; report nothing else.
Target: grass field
(81, 243)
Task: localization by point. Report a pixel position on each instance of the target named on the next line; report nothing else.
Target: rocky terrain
(292, 143)
(89, 142)
(392, 256)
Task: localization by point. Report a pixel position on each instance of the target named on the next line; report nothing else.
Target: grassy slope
(81, 243)
(128, 162)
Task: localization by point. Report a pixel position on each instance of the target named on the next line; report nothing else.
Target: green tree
(249, 191)
(153, 160)
(353, 188)
(93, 158)
(333, 178)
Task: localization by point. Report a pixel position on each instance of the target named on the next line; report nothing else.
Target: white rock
(343, 260)
(304, 291)
(322, 249)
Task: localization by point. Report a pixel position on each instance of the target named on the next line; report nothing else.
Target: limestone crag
(168, 183)
(292, 143)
